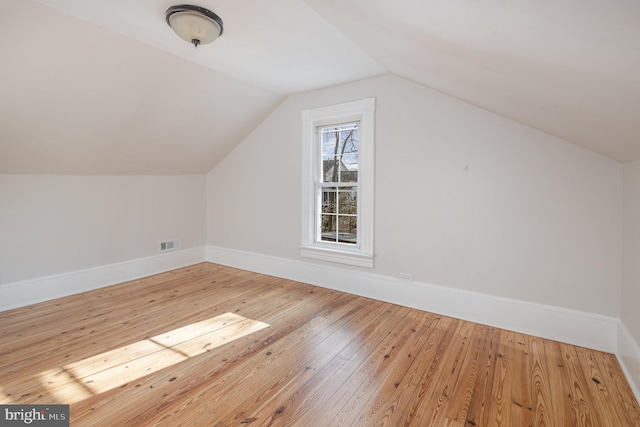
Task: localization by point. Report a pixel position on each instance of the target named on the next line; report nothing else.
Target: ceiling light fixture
(194, 24)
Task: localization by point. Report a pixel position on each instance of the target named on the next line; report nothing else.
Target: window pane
(329, 200)
(339, 229)
(350, 160)
(347, 229)
(339, 153)
(331, 169)
(347, 200)
(329, 226)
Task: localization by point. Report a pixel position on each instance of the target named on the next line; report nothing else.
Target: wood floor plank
(458, 409)
(122, 311)
(558, 383)
(543, 407)
(387, 400)
(478, 413)
(398, 410)
(296, 396)
(621, 394)
(501, 403)
(92, 303)
(135, 331)
(604, 408)
(442, 389)
(579, 396)
(283, 365)
(521, 385)
(354, 392)
(209, 345)
(190, 376)
(378, 394)
(337, 386)
(424, 385)
(330, 377)
(597, 389)
(282, 390)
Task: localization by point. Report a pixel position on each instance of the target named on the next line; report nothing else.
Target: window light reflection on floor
(78, 380)
(4, 397)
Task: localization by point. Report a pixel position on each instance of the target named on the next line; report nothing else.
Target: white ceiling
(279, 45)
(570, 68)
(105, 87)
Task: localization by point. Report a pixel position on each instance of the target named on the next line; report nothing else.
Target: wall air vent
(169, 245)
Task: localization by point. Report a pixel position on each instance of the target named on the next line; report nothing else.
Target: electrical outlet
(406, 276)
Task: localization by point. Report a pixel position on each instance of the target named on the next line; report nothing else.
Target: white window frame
(362, 111)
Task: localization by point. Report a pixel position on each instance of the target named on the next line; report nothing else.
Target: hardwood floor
(214, 346)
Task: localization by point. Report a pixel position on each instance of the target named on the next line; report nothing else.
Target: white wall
(630, 314)
(630, 310)
(60, 224)
(534, 218)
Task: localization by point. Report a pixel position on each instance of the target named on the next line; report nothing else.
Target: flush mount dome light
(194, 24)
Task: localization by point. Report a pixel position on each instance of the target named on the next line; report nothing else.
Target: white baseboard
(20, 294)
(560, 324)
(628, 354)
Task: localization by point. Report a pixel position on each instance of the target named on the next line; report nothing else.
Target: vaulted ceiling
(105, 87)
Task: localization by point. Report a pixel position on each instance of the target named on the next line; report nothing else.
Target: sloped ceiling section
(80, 99)
(105, 87)
(569, 68)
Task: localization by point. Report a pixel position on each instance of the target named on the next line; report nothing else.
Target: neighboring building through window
(338, 183)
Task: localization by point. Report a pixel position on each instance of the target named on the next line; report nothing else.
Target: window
(337, 211)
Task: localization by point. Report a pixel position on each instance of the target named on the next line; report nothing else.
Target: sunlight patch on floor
(4, 397)
(78, 380)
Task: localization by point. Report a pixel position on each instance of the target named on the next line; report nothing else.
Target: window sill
(334, 255)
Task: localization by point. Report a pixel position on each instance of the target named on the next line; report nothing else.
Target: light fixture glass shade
(194, 24)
